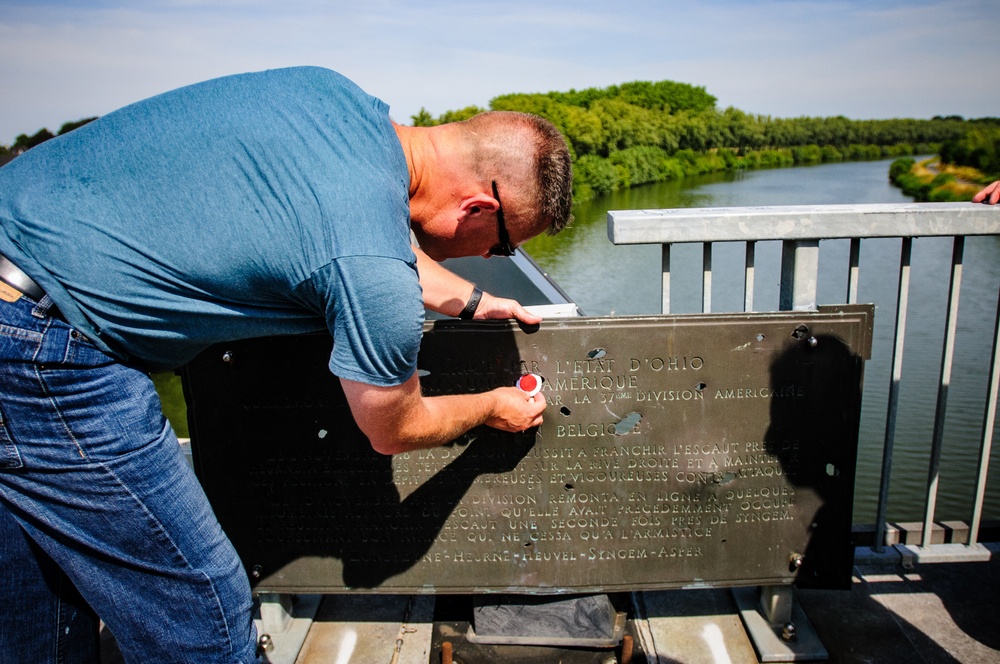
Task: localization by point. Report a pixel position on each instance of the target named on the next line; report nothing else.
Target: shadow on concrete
(944, 612)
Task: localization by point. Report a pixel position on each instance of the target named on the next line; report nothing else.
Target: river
(605, 279)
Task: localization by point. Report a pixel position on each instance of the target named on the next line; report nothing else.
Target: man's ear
(473, 206)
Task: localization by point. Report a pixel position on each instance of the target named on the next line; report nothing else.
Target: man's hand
(514, 411)
(990, 194)
(499, 307)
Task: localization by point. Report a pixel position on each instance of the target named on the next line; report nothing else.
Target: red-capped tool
(530, 384)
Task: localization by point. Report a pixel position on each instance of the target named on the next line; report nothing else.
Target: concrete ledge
(942, 553)
(866, 555)
(909, 555)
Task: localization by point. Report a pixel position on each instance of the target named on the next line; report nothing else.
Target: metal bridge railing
(800, 230)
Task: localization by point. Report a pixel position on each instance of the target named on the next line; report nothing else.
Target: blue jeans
(93, 483)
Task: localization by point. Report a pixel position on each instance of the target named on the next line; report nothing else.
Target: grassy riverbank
(931, 180)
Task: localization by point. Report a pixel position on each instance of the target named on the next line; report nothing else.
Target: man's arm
(400, 419)
(446, 293)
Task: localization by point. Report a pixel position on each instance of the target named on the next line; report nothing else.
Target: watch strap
(470, 307)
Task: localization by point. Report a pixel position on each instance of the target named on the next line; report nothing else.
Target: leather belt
(13, 276)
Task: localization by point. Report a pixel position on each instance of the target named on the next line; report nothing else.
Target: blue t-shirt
(257, 204)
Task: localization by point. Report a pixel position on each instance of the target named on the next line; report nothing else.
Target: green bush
(856, 152)
(899, 150)
(900, 167)
(597, 172)
(807, 154)
(831, 153)
(642, 164)
(672, 169)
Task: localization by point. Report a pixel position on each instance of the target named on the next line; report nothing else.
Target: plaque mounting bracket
(777, 626)
(283, 623)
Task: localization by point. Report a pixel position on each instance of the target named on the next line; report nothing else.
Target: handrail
(800, 228)
(801, 222)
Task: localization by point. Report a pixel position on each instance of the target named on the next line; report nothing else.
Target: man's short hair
(505, 137)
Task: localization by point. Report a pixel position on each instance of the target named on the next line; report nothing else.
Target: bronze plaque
(677, 451)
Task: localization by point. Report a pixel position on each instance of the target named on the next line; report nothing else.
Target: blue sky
(67, 59)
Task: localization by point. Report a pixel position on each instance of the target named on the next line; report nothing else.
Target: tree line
(25, 142)
(640, 132)
(978, 147)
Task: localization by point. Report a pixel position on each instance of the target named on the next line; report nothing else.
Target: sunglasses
(504, 247)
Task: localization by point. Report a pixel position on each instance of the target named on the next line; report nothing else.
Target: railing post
(706, 279)
(665, 263)
(854, 271)
(947, 356)
(748, 280)
(902, 300)
(799, 274)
